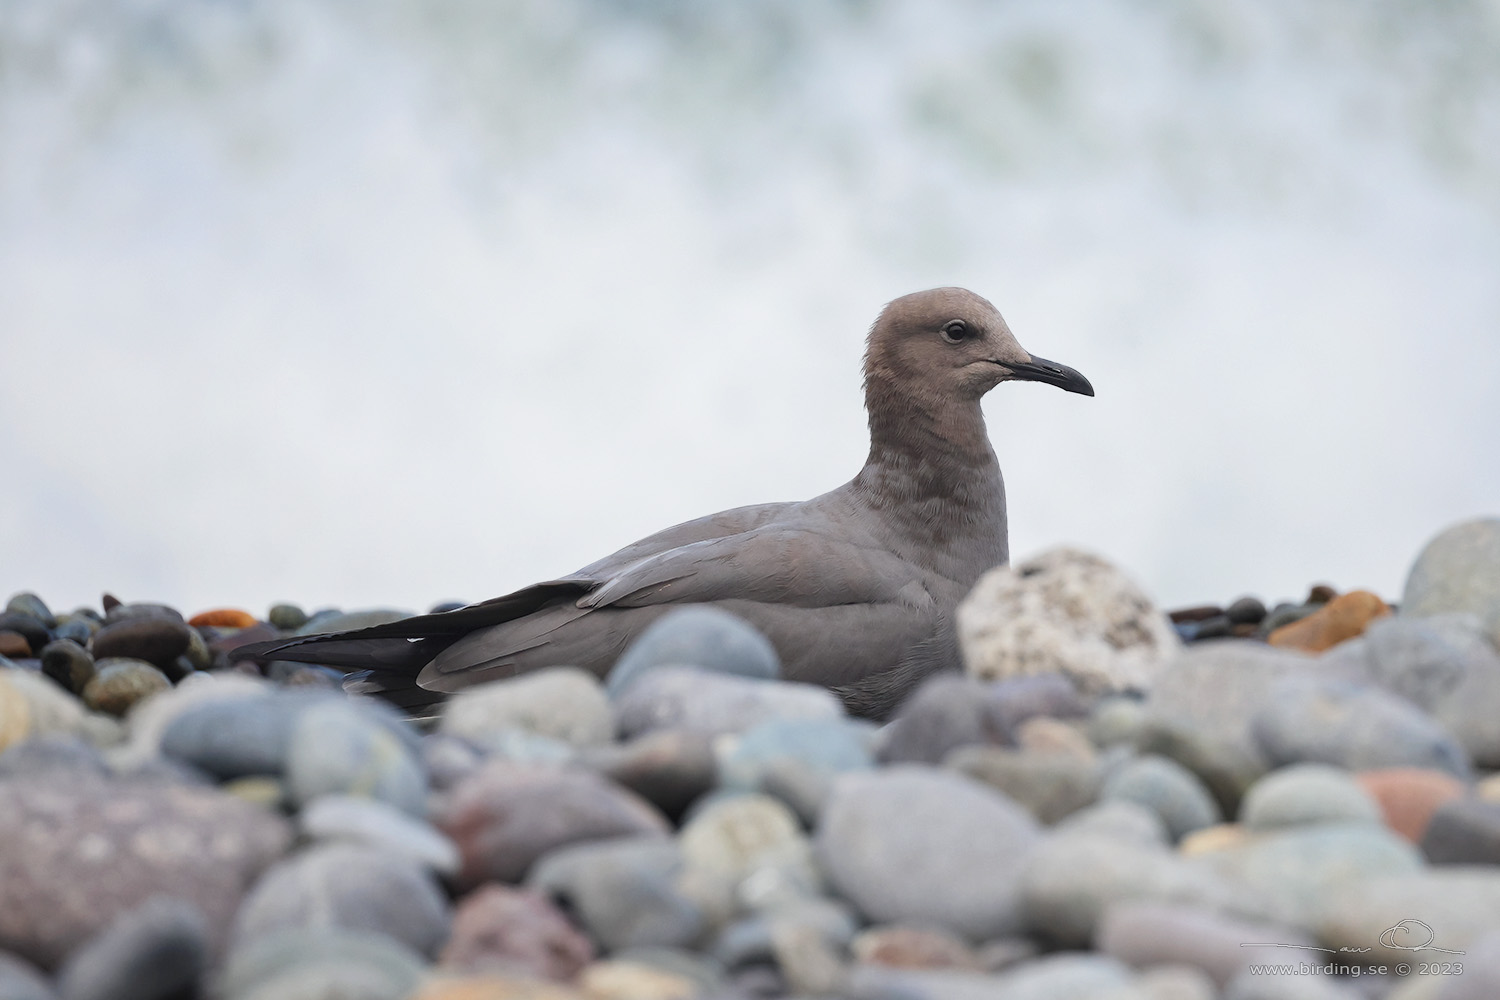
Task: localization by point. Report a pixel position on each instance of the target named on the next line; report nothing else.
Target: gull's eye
(956, 331)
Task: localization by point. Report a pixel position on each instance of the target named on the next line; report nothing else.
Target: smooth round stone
(908, 844)
(1350, 725)
(625, 891)
(1076, 874)
(1226, 765)
(20, 980)
(1010, 703)
(913, 948)
(668, 768)
(68, 663)
(1303, 794)
(821, 748)
(1298, 869)
(31, 706)
(352, 887)
(638, 981)
(233, 737)
(1166, 787)
(1217, 627)
(1119, 819)
(1459, 903)
(34, 633)
(27, 603)
(319, 963)
(448, 760)
(157, 951)
(1053, 976)
(1049, 786)
(704, 974)
(506, 815)
(338, 749)
(882, 982)
(686, 698)
(158, 641)
(377, 824)
(1043, 734)
(946, 712)
(1117, 722)
(76, 628)
(753, 939)
(1459, 570)
(1420, 660)
(1464, 832)
(497, 926)
(704, 637)
(116, 611)
(564, 703)
(287, 617)
(120, 683)
(1152, 933)
(79, 852)
(346, 621)
(14, 648)
(1284, 614)
(740, 841)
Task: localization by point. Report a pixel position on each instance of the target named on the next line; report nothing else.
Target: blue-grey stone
(1355, 726)
(701, 701)
(1167, 788)
(27, 603)
(20, 980)
(823, 747)
(77, 628)
(321, 962)
(156, 951)
(52, 753)
(233, 737)
(336, 818)
(350, 887)
(1303, 794)
(697, 636)
(1464, 832)
(338, 748)
(945, 712)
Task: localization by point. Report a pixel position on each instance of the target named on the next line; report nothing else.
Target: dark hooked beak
(1042, 370)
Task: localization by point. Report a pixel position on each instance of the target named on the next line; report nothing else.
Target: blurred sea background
(389, 302)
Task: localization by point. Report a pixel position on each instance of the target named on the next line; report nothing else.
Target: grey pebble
(943, 714)
(1303, 794)
(1463, 831)
(335, 748)
(1166, 787)
(708, 638)
(378, 824)
(157, 951)
(316, 963)
(20, 980)
(27, 603)
(698, 700)
(288, 617)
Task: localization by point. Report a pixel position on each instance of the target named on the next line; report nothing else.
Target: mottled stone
(79, 852)
(795, 759)
(1463, 831)
(502, 929)
(563, 703)
(1344, 617)
(708, 638)
(1351, 725)
(52, 753)
(156, 951)
(732, 841)
(120, 683)
(352, 887)
(1408, 796)
(1303, 794)
(909, 844)
(624, 891)
(505, 816)
(1167, 788)
(686, 698)
(32, 706)
(1067, 612)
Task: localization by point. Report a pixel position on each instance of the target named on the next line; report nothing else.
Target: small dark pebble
(443, 606)
(1464, 832)
(68, 663)
(1284, 614)
(1321, 593)
(286, 616)
(140, 609)
(158, 641)
(13, 645)
(37, 634)
(1246, 610)
(1244, 630)
(77, 627)
(1196, 614)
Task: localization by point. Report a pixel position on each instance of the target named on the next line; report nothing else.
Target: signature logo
(1404, 935)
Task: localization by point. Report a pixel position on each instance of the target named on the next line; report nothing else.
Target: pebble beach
(1245, 800)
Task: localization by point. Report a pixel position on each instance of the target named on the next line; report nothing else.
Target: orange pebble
(1344, 617)
(223, 618)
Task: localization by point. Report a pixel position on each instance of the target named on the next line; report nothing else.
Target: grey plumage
(855, 588)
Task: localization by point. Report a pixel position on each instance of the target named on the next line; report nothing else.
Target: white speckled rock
(565, 703)
(1065, 611)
